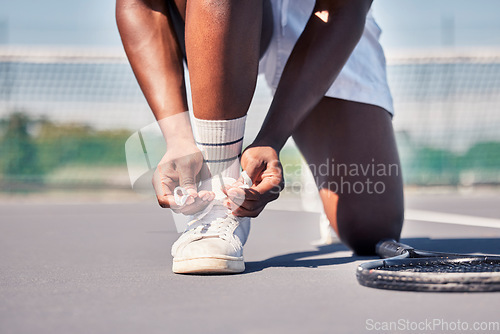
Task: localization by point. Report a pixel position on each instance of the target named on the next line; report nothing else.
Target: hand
(264, 168)
(182, 165)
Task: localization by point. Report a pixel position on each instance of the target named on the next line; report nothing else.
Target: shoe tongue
(215, 184)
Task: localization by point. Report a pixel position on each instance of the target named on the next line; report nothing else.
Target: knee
(362, 231)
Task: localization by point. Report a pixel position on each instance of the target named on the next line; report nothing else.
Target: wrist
(272, 140)
(177, 130)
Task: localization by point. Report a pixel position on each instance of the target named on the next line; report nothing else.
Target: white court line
(450, 218)
(421, 215)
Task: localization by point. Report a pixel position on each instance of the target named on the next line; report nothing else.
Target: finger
(243, 212)
(250, 194)
(206, 195)
(241, 199)
(237, 184)
(236, 196)
(270, 183)
(167, 201)
(163, 184)
(197, 206)
(227, 187)
(182, 199)
(230, 204)
(250, 205)
(236, 193)
(253, 201)
(238, 190)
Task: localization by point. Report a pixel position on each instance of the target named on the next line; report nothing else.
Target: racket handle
(390, 248)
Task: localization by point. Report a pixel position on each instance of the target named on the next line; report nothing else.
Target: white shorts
(363, 78)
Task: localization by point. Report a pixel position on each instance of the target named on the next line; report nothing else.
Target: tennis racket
(409, 269)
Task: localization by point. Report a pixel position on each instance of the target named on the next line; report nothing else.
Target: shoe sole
(208, 266)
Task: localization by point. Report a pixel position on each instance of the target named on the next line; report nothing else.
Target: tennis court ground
(105, 268)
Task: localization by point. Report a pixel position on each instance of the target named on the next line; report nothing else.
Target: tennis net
(72, 110)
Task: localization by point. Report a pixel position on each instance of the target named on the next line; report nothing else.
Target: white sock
(221, 142)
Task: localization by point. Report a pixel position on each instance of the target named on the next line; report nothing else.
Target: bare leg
(222, 46)
(223, 41)
(366, 205)
(153, 50)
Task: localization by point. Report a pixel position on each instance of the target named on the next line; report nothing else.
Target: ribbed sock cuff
(221, 142)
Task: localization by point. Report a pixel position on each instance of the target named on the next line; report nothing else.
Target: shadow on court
(293, 260)
(300, 259)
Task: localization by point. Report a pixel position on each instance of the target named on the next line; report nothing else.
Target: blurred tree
(433, 166)
(484, 155)
(32, 149)
(62, 144)
(18, 152)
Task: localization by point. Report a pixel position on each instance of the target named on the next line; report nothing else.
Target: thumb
(187, 177)
(252, 174)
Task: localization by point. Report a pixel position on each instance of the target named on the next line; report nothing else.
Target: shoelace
(181, 194)
(215, 219)
(210, 222)
(221, 227)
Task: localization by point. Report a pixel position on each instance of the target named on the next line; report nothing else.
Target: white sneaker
(326, 231)
(213, 240)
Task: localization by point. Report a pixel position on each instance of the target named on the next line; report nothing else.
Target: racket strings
(446, 267)
(417, 270)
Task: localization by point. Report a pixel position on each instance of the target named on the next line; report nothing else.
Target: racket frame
(372, 274)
